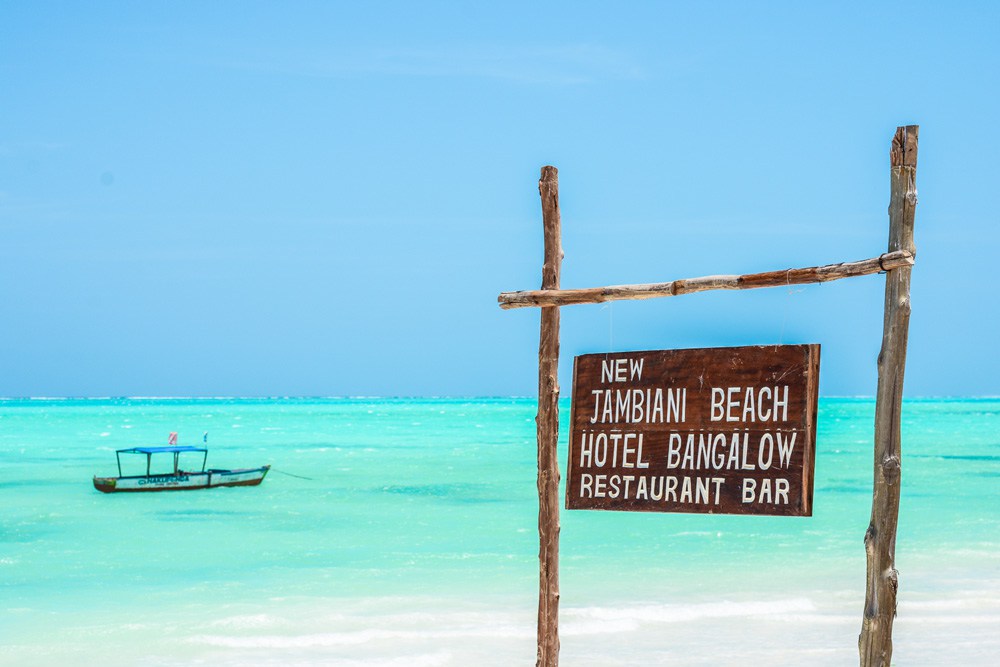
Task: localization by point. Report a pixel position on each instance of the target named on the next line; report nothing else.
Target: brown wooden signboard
(716, 431)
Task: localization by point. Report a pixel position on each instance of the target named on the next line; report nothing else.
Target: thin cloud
(575, 64)
(30, 147)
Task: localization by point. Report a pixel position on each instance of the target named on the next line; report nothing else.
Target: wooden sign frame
(875, 641)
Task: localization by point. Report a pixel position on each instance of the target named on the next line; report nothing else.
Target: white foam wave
(614, 619)
(252, 621)
(966, 604)
(427, 660)
(357, 637)
(425, 627)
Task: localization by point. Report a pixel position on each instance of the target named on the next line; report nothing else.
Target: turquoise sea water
(413, 541)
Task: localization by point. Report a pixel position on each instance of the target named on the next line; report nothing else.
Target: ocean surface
(403, 533)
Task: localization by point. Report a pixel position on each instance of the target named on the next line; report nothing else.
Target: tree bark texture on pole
(875, 641)
(548, 429)
(781, 278)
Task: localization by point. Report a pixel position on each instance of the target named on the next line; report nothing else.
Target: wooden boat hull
(182, 481)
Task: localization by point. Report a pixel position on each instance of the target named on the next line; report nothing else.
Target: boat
(177, 478)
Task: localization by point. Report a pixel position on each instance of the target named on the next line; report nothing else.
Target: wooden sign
(717, 431)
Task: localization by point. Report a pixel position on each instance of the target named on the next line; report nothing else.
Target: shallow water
(403, 532)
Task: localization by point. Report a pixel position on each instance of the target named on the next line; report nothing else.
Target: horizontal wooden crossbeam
(812, 274)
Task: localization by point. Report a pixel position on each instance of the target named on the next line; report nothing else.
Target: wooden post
(548, 430)
(875, 641)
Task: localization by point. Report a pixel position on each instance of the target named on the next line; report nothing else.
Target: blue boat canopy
(161, 450)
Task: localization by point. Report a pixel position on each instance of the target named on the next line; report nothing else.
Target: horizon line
(345, 397)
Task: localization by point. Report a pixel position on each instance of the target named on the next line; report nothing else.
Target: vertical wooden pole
(875, 641)
(547, 423)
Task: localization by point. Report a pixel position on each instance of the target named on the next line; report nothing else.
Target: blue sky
(326, 198)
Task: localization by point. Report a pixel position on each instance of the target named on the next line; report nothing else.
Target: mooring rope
(281, 472)
(610, 307)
